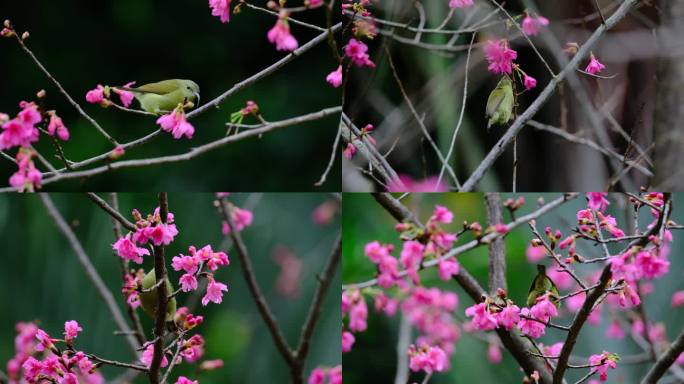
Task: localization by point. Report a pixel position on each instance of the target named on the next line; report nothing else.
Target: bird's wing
(493, 103)
(159, 88)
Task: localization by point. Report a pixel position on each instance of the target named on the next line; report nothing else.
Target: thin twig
(114, 213)
(333, 155)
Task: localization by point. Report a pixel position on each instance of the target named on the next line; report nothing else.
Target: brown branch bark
(162, 297)
(665, 361)
(113, 212)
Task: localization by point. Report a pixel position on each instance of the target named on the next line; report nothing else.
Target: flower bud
(6, 32)
(41, 94)
(25, 35)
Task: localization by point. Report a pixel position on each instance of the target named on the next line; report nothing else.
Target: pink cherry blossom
(187, 263)
(483, 320)
(335, 374)
(494, 353)
(460, 3)
(376, 251)
(127, 250)
(185, 380)
(45, 341)
(529, 82)
(176, 123)
(677, 299)
(561, 278)
(544, 309)
(125, 96)
(242, 218)
(348, 340)
(530, 327)
(357, 51)
(531, 24)
(334, 78)
(71, 329)
(27, 177)
(220, 8)
(280, 35)
(535, 253)
(597, 201)
(604, 361)
(509, 316)
(499, 56)
(427, 358)
(318, 376)
(188, 282)
(96, 95)
(21, 131)
(386, 304)
(628, 293)
(441, 214)
(358, 315)
(57, 126)
(148, 354)
(214, 292)
(349, 151)
(411, 257)
(448, 268)
(650, 265)
(594, 66)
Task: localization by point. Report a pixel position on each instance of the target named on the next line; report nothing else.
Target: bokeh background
(83, 43)
(373, 358)
(638, 97)
(41, 279)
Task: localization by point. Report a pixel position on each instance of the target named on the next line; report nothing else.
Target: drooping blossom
(494, 353)
(509, 316)
(127, 250)
(125, 96)
(460, 3)
(677, 299)
(21, 131)
(176, 123)
(628, 293)
(358, 315)
(148, 354)
(96, 95)
(427, 358)
(411, 258)
(386, 304)
(349, 151)
(483, 319)
(280, 35)
(242, 218)
(651, 265)
(188, 282)
(594, 65)
(527, 326)
(499, 56)
(214, 292)
(441, 214)
(529, 82)
(193, 349)
(348, 340)
(56, 126)
(28, 177)
(334, 78)
(448, 268)
(602, 362)
(531, 24)
(45, 342)
(220, 8)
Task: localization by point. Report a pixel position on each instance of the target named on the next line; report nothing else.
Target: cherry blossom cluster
(24, 130)
(500, 58)
(149, 229)
(193, 265)
(39, 358)
(323, 375)
(431, 311)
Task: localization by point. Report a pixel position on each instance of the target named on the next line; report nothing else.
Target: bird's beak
(198, 98)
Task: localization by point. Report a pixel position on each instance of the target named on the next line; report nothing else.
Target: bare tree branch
(497, 247)
(162, 296)
(665, 361)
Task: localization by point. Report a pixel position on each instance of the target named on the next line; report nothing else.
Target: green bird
(500, 103)
(540, 286)
(164, 96)
(148, 300)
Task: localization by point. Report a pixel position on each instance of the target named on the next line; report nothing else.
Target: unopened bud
(272, 5)
(117, 153)
(25, 35)
(7, 23)
(41, 94)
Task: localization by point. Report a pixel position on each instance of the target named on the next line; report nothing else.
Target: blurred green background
(373, 357)
(42, 280)
(83, 43)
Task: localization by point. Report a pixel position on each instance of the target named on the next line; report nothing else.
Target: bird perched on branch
(148, 300)
(500, 103)
(541, 285)
(164, 96)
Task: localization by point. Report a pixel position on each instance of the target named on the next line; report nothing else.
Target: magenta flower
(677, 299)
(349, 151)
(650, 265)
(376, 251)
(334, 78)
(597, 201)
(530, 24)
(71, 329)
(125, 96)
(187, 263)
(57, 126)
(162, 233)
(411, 254)
(188, 282)
(96, 95)
(45, 342)
(483, 320)
(21, 131)
(594, 65)
(183, 379)
(348, 340)
(460, 3)
(427, 358)
(127, 250)
(318, 376)
(357, 51)
(280, 35)
(499, 56)
(217, 259)
(27, 178)
(529, 82)
(335, 374)
(544, 309)
(358, 315)
(448, 268)
(628, 293)
(214, 292)
(242, 218)
(220, 8)
(176, 123)
(441, 214)
(602, 362)
(509, 316)
(535, 253)
(530, 327)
